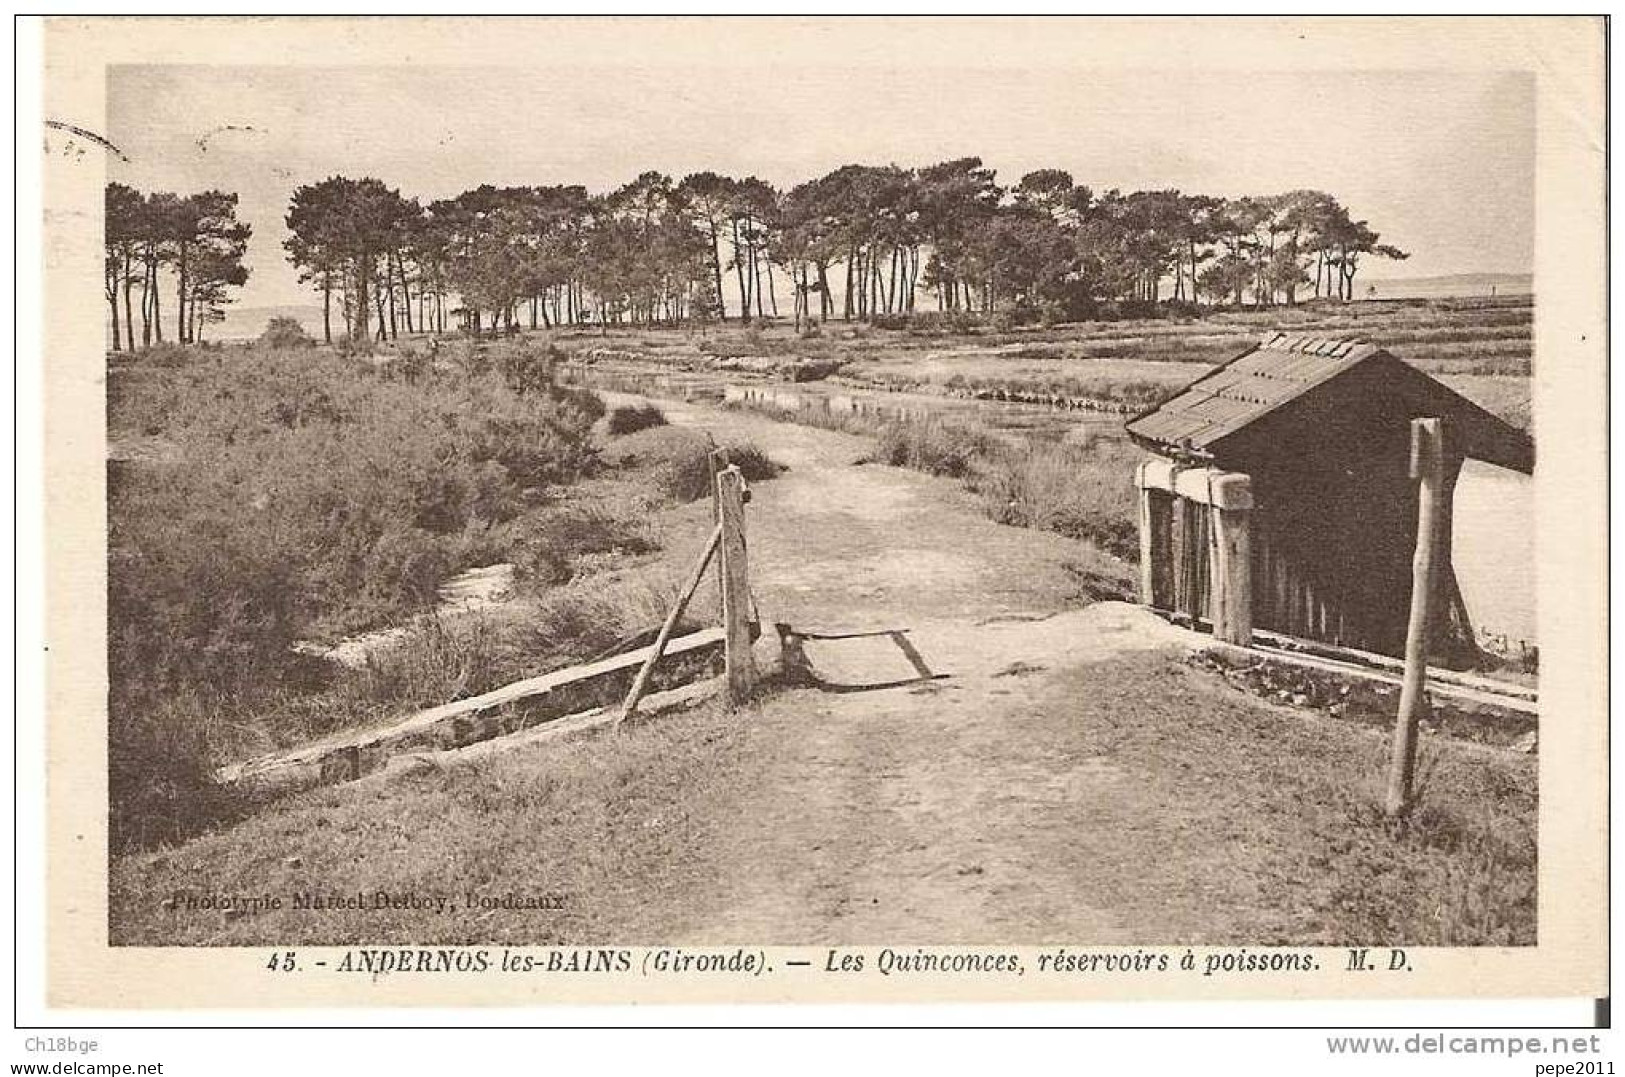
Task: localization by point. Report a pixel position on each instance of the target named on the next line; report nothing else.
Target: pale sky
(1442, 164)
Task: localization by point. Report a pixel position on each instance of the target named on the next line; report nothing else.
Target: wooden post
(641, 683)
(1232, 569)
(1156, 542)
(735, 585)
(1427, 469)
(716, 461)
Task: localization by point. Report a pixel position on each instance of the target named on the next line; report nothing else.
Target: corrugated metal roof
(1247, 388)
(1283, 369)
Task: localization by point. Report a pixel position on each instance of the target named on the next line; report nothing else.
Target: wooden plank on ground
(1348, 669)
(354, 750)
(595, 720)
(1356, 656)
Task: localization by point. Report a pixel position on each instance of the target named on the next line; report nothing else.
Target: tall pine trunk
(358, 324)
(739, 271)
(157, 309)
(756, 279)
(180, 295)
(129, 283)
(389, 290)
(716, 267)
(406, 292)
(891, 284)
(146, 304)
(112, 301)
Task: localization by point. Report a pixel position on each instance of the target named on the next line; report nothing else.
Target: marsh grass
(312, 493)
(632, 418)
(933, 445)
(1081, 489)
(679, 460)
(552, 550)
(1084, 491)
(304, 494)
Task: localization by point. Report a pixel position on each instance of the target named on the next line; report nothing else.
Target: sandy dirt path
(957, 810)
(1067, 779)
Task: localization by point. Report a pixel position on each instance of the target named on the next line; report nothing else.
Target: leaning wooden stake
(641, 683)
(1427, 467)
(735, 584)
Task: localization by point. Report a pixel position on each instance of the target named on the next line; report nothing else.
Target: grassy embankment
(262, 496)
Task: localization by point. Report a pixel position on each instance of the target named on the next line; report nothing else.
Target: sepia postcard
(685, 509)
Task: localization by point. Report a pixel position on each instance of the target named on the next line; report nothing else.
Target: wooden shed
(1282, 482)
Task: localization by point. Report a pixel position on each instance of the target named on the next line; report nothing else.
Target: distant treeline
(860, 242)
(658, 250)
(197, 238)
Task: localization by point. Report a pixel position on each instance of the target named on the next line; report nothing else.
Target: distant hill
(1459, 285)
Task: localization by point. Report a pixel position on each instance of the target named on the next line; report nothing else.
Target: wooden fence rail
(501, 711)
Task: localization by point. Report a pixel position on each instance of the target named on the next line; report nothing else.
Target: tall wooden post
(1156, 542)
(735, 585)
(1427, 469)
(717, 462)
(1232, 569)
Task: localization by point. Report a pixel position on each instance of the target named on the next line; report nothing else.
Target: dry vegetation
(263, 496)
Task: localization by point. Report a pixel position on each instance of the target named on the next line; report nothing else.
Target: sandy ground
(938, 810)
(464, 595)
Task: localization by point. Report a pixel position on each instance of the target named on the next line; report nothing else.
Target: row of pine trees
(860, 242)
(198, 241)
